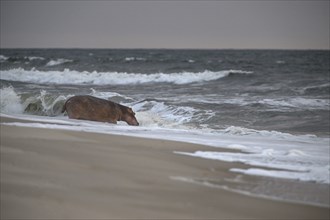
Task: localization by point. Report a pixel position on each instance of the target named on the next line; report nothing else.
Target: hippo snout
(134, 123)
(129, 117)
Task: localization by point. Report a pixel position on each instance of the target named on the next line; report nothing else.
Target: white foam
(113, 78)
(128, 59)
(10, 101)
(318, 173)
(178, 115)
(306, 157)
(31, 58)
(47, 104)
(58, 62)
(107, 95)
(3, 58)
(235, 130)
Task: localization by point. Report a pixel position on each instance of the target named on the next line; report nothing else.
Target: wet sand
(48, 173)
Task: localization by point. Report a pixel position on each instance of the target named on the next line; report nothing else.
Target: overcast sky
(165, 24)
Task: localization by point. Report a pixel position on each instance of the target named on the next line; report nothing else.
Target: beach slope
(49, 173)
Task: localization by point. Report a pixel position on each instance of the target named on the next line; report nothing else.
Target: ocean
(272, 105)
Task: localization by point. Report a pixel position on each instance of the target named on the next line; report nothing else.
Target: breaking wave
(3, 58)
(10, 101)
(113, 78)
(151, 113)
(42, 103)
(58, 62)
(19, 59)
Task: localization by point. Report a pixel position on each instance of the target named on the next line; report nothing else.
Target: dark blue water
(286, 91)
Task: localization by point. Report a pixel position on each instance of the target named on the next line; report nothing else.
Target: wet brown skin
(96, 109)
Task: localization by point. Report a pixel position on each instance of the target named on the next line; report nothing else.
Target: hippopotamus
(95, 109)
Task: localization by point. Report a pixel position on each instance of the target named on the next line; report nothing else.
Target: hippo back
(92, 108)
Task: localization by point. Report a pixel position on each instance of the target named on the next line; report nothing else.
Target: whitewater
(114, 78)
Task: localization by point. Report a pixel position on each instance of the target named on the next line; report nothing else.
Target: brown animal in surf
(96, 109)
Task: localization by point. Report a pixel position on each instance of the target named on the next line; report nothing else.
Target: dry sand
(47, 173)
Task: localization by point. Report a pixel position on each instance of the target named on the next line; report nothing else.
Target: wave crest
(43, 103)
(10, 101)
(113, 78)
(58, 62)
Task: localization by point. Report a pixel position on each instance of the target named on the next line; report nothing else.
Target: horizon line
(153, 48)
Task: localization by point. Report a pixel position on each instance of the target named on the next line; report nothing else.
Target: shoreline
(53, 173)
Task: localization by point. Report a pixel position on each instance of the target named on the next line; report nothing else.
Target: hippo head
(129, 117)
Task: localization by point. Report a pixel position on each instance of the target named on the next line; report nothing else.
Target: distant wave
(113, 78)
(317, 90)
(58, 62)
(3, 58)
(128, 59)
(25, 58)
(299, 102)
(34, 58)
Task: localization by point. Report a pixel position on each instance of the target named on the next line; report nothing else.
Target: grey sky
(165, 24)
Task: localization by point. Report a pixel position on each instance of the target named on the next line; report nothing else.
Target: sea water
(271, 105)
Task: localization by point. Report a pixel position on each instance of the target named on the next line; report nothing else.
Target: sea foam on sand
(304, 158)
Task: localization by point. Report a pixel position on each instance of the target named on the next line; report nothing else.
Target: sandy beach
(49, 173)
